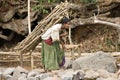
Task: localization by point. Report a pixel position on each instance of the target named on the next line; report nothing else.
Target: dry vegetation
(99, 38)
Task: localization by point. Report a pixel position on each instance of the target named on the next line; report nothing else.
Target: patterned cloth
(52, 56)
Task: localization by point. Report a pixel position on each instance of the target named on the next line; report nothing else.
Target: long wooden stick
(29, 22)
(107, 23)
(32, 60)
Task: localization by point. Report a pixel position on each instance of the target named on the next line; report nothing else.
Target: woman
(52, 55)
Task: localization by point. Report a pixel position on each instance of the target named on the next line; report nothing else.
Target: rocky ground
(96, 66)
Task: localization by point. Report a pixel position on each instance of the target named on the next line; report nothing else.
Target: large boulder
(99, 60)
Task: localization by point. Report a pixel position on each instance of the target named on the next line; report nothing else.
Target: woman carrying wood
(52, 55)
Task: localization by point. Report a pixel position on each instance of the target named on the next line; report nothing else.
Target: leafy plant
(88, 1)
(40, 8)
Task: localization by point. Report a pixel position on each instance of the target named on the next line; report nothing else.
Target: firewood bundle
(33, 39)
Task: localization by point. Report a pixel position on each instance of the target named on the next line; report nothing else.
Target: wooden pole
(29, 29)
(107, 23)
(29, 22)
(70, 40)
(119, 36)
(32, 61)
(21, 59)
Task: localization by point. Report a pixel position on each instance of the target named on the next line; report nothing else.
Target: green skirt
(52, 56)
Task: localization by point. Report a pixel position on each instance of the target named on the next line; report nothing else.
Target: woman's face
(66, 26)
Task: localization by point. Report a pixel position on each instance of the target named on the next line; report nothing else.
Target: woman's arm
(61, 39)
(64, 34)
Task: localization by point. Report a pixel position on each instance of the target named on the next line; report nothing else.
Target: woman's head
(65, 23)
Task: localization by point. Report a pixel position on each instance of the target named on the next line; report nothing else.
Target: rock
(22, 78)
(100, 78)
(33, 73)
(104, 73)
(52, 78)
(31, 78)
(68, 64)
(99, 60)
(71, 75)
(106, 79)
(43, 76)
(66, 75)
(19, 72)
(91, 74)
(8, 71)
(7, 77)
(78, 75)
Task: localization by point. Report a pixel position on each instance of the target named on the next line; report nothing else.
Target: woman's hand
(62, 44)
(64, 34)
(63, 47)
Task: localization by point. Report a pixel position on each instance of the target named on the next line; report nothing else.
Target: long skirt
(52, 56)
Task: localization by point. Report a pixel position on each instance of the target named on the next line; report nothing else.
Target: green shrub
(88, 1)
(40, 8)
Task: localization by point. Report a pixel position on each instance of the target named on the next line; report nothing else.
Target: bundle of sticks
(34, 38)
